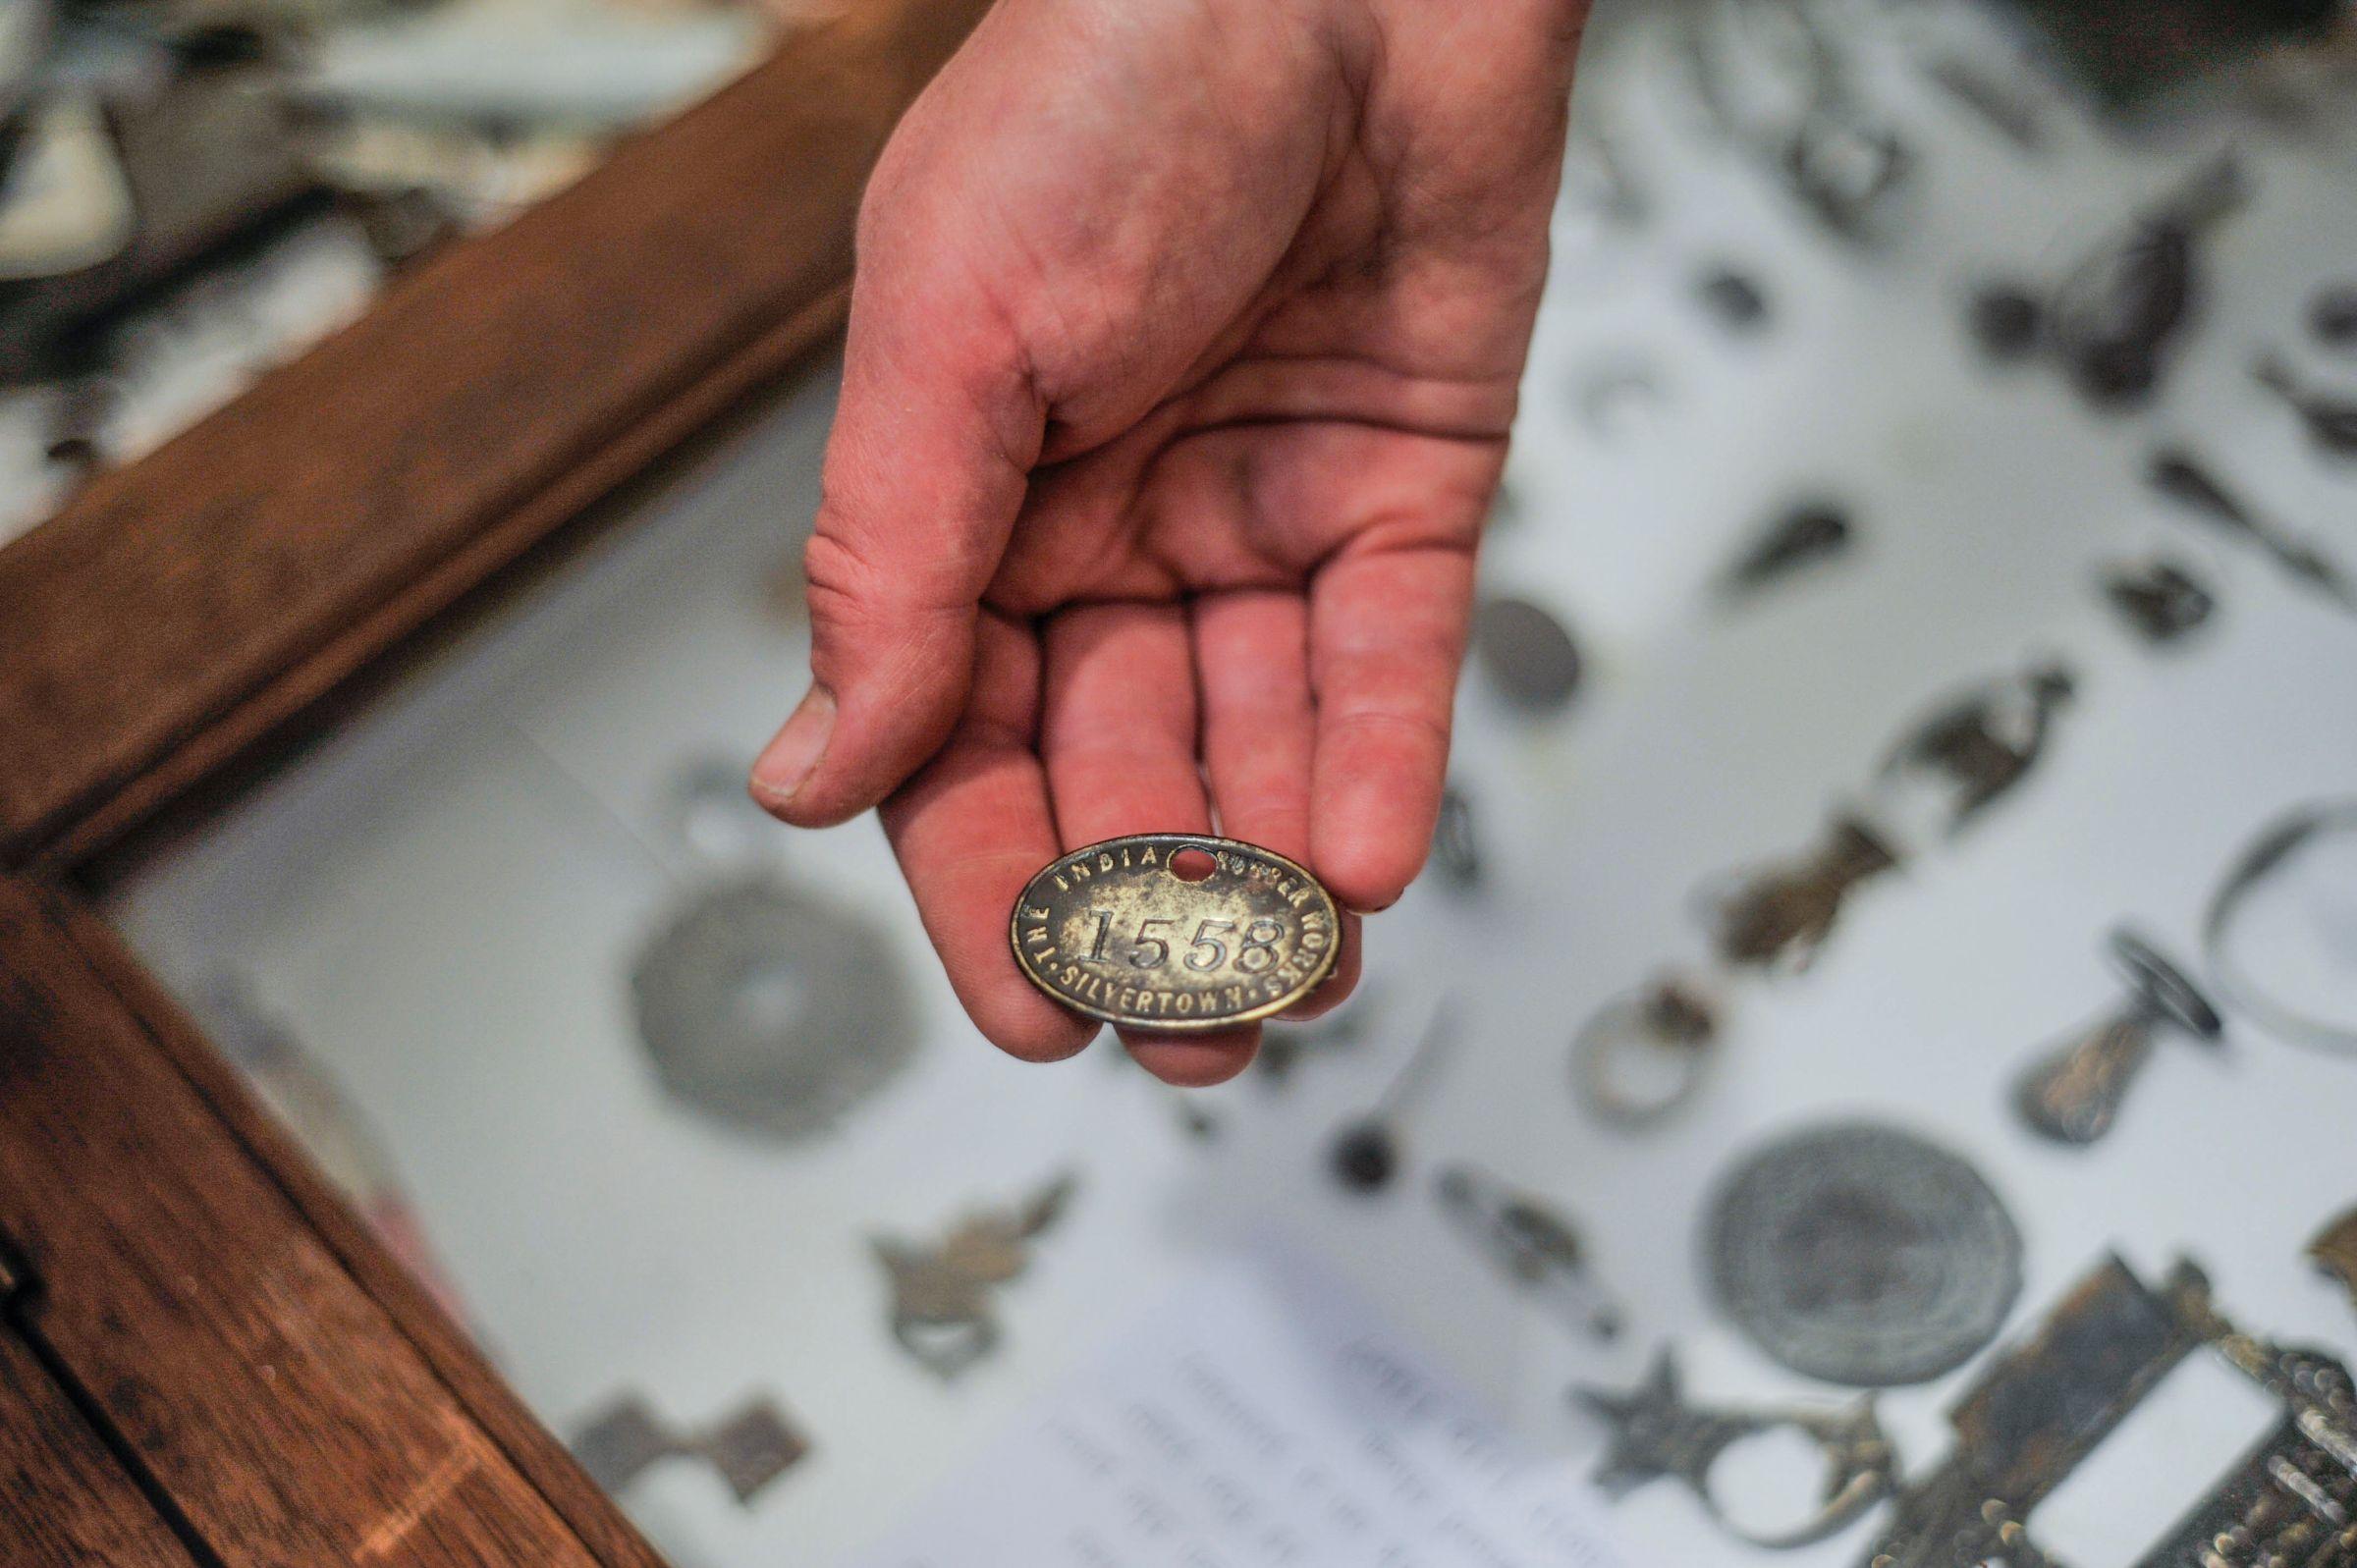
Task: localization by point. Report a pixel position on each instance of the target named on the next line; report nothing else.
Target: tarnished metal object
(2114, 321)
(2073, 1094)
(1641, 1056)
(2038, 1412)
(1656, 1436)
(1118, 931)
(1779, 916)
(1981, 745)
(1861, 1254)
(1365, 1153)
(941, 1294)
(748, 1449)
(1533, 1243)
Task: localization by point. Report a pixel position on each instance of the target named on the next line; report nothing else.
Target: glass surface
(424, 938)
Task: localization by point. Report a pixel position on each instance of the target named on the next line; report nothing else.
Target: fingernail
(779, 772)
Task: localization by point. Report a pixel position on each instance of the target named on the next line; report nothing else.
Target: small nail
(788, 759)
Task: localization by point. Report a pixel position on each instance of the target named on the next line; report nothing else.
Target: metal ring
(1620, 1026)
(2264, 855)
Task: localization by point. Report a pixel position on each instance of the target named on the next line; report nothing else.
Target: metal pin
(2176, 473)
(1534, 1245)
(1366, 1152)
(2073, 1094)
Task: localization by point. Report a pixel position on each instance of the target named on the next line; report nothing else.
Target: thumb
(926, 467)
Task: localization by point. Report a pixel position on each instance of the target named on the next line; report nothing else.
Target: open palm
(1185, 342)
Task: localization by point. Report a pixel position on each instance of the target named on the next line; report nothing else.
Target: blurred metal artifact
(2332, 315)
(1978, 747)
(1810, 535)
(1778, 917)
(1772, 82)
(1655, 1435)
(2332, 421)
(2167, 42)
(942, 1311)
(66, 204)
(1456, 848)
(1733, 298)
(2117, 315)
(761, 1006)
(1365, 1154)
(2072, 1095)
(2306, 836)
(770, 1010)
(1525, 651)
(2036, 1414)
(748, 1449)
(1861, 1254)
(2159, 600)
(2333, 1251)
(1535, 1246)
(2179, 475)
(1639, 1057)
(2006, 320)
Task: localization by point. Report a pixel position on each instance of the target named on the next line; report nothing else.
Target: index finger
(970, 829)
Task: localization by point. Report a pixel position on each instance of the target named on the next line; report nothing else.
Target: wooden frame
(205, 1359)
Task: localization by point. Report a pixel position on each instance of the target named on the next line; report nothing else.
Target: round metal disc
(1113, 932)
(1862, 1255)
(765, 1008)
(1527, 652)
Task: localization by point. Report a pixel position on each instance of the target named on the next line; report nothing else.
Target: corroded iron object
(2073, 1094)
(941, 1294)
(2039, 1410)
(1118, 932)
(1655, 1435)
(1862, 1255)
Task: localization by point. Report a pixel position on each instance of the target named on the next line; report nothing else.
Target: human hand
(1183, 347)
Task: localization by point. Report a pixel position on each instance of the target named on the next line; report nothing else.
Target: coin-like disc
(1862, 1255)
(1113, 932)
(1527, 652)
